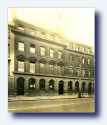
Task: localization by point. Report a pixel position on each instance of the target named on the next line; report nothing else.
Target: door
(20, 86)
(61, 87)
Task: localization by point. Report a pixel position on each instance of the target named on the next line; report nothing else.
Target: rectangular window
(21, 66)
(59, 55)
(51, 53)
(51, 67)
(20, 46)
(42, 65)
(83, 73)
(8, 67)
(59, 69)
(32, 67)
(83, 61)
(88, 61)
(42, 51)
(32, 49)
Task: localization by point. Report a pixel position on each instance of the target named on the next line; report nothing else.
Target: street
(53, 105)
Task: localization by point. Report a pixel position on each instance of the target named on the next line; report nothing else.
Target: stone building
(41, 62)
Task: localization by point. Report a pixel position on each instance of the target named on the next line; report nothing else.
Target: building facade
(44, 63)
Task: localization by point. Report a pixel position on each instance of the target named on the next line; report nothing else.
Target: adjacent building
(41, 62)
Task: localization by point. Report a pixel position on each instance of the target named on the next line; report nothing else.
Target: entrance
(20, 86)
(61, 87)
(76, 87)
(42, 84)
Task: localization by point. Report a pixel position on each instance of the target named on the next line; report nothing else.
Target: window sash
(32, 67)
(51, 53)
(20, 66)
(20, 46)
(32, 50)
(42, 51)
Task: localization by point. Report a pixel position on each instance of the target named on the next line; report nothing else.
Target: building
(44, 63)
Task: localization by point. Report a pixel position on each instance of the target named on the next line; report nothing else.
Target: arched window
(51, 84)
(70, 85)
(42, 84)
(20, 86)
(32, 83)
(76, 86)
(83, 88)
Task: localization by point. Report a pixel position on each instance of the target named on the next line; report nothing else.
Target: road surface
(53, 105)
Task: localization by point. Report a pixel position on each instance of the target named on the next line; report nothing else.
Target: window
(83, 49)
(20, 46)
(8, 67)
(32, 83)
(20, 28)
(8, 50)
(32, 49)
(70, 85)
(59, 55)
(83, 73)
(51, 53)
(88, 61)
(70, 59)
(77, 73)
(42, 65)
(59, 69)
(32, 67)
(89, 74)
(83, 61)
(42, 51)
(51, 67)
(20, 66)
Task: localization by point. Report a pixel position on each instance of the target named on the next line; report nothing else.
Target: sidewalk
(35, 98)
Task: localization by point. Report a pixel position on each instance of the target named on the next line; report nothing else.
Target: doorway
(20, 86)
(61, 87)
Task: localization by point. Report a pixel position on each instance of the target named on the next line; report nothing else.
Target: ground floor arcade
(48, 85)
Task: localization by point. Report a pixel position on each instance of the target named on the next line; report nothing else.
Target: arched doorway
(20, 86)
(90, 88)
(31, 83)
(76, 86)
(51, 84)
(70, 85)
(83, 87)
(42, 84)
(61, 87)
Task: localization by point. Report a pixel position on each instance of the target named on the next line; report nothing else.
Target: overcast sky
(75, 24)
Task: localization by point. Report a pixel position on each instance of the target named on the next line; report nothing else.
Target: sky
(75, 24)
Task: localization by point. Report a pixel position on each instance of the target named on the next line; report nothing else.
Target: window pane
(21, 46)
(32, 50)
(32, 67)
(42, 51)
(20, 66)
(88, 61)
(51, 68)
(59, 55)
(83, 60)
(42, 65)
(51, 53)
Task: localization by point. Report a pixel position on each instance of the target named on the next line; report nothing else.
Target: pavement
(34, 98)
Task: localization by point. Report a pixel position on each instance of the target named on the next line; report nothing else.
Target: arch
(51, 84)
(83, 87)
(20, 86)
(61, 87)
(90, 88)
(42, 84)
(76, 86)
(32, 82)
(70, 83)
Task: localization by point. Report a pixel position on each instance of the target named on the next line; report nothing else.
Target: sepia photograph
(51, 60)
